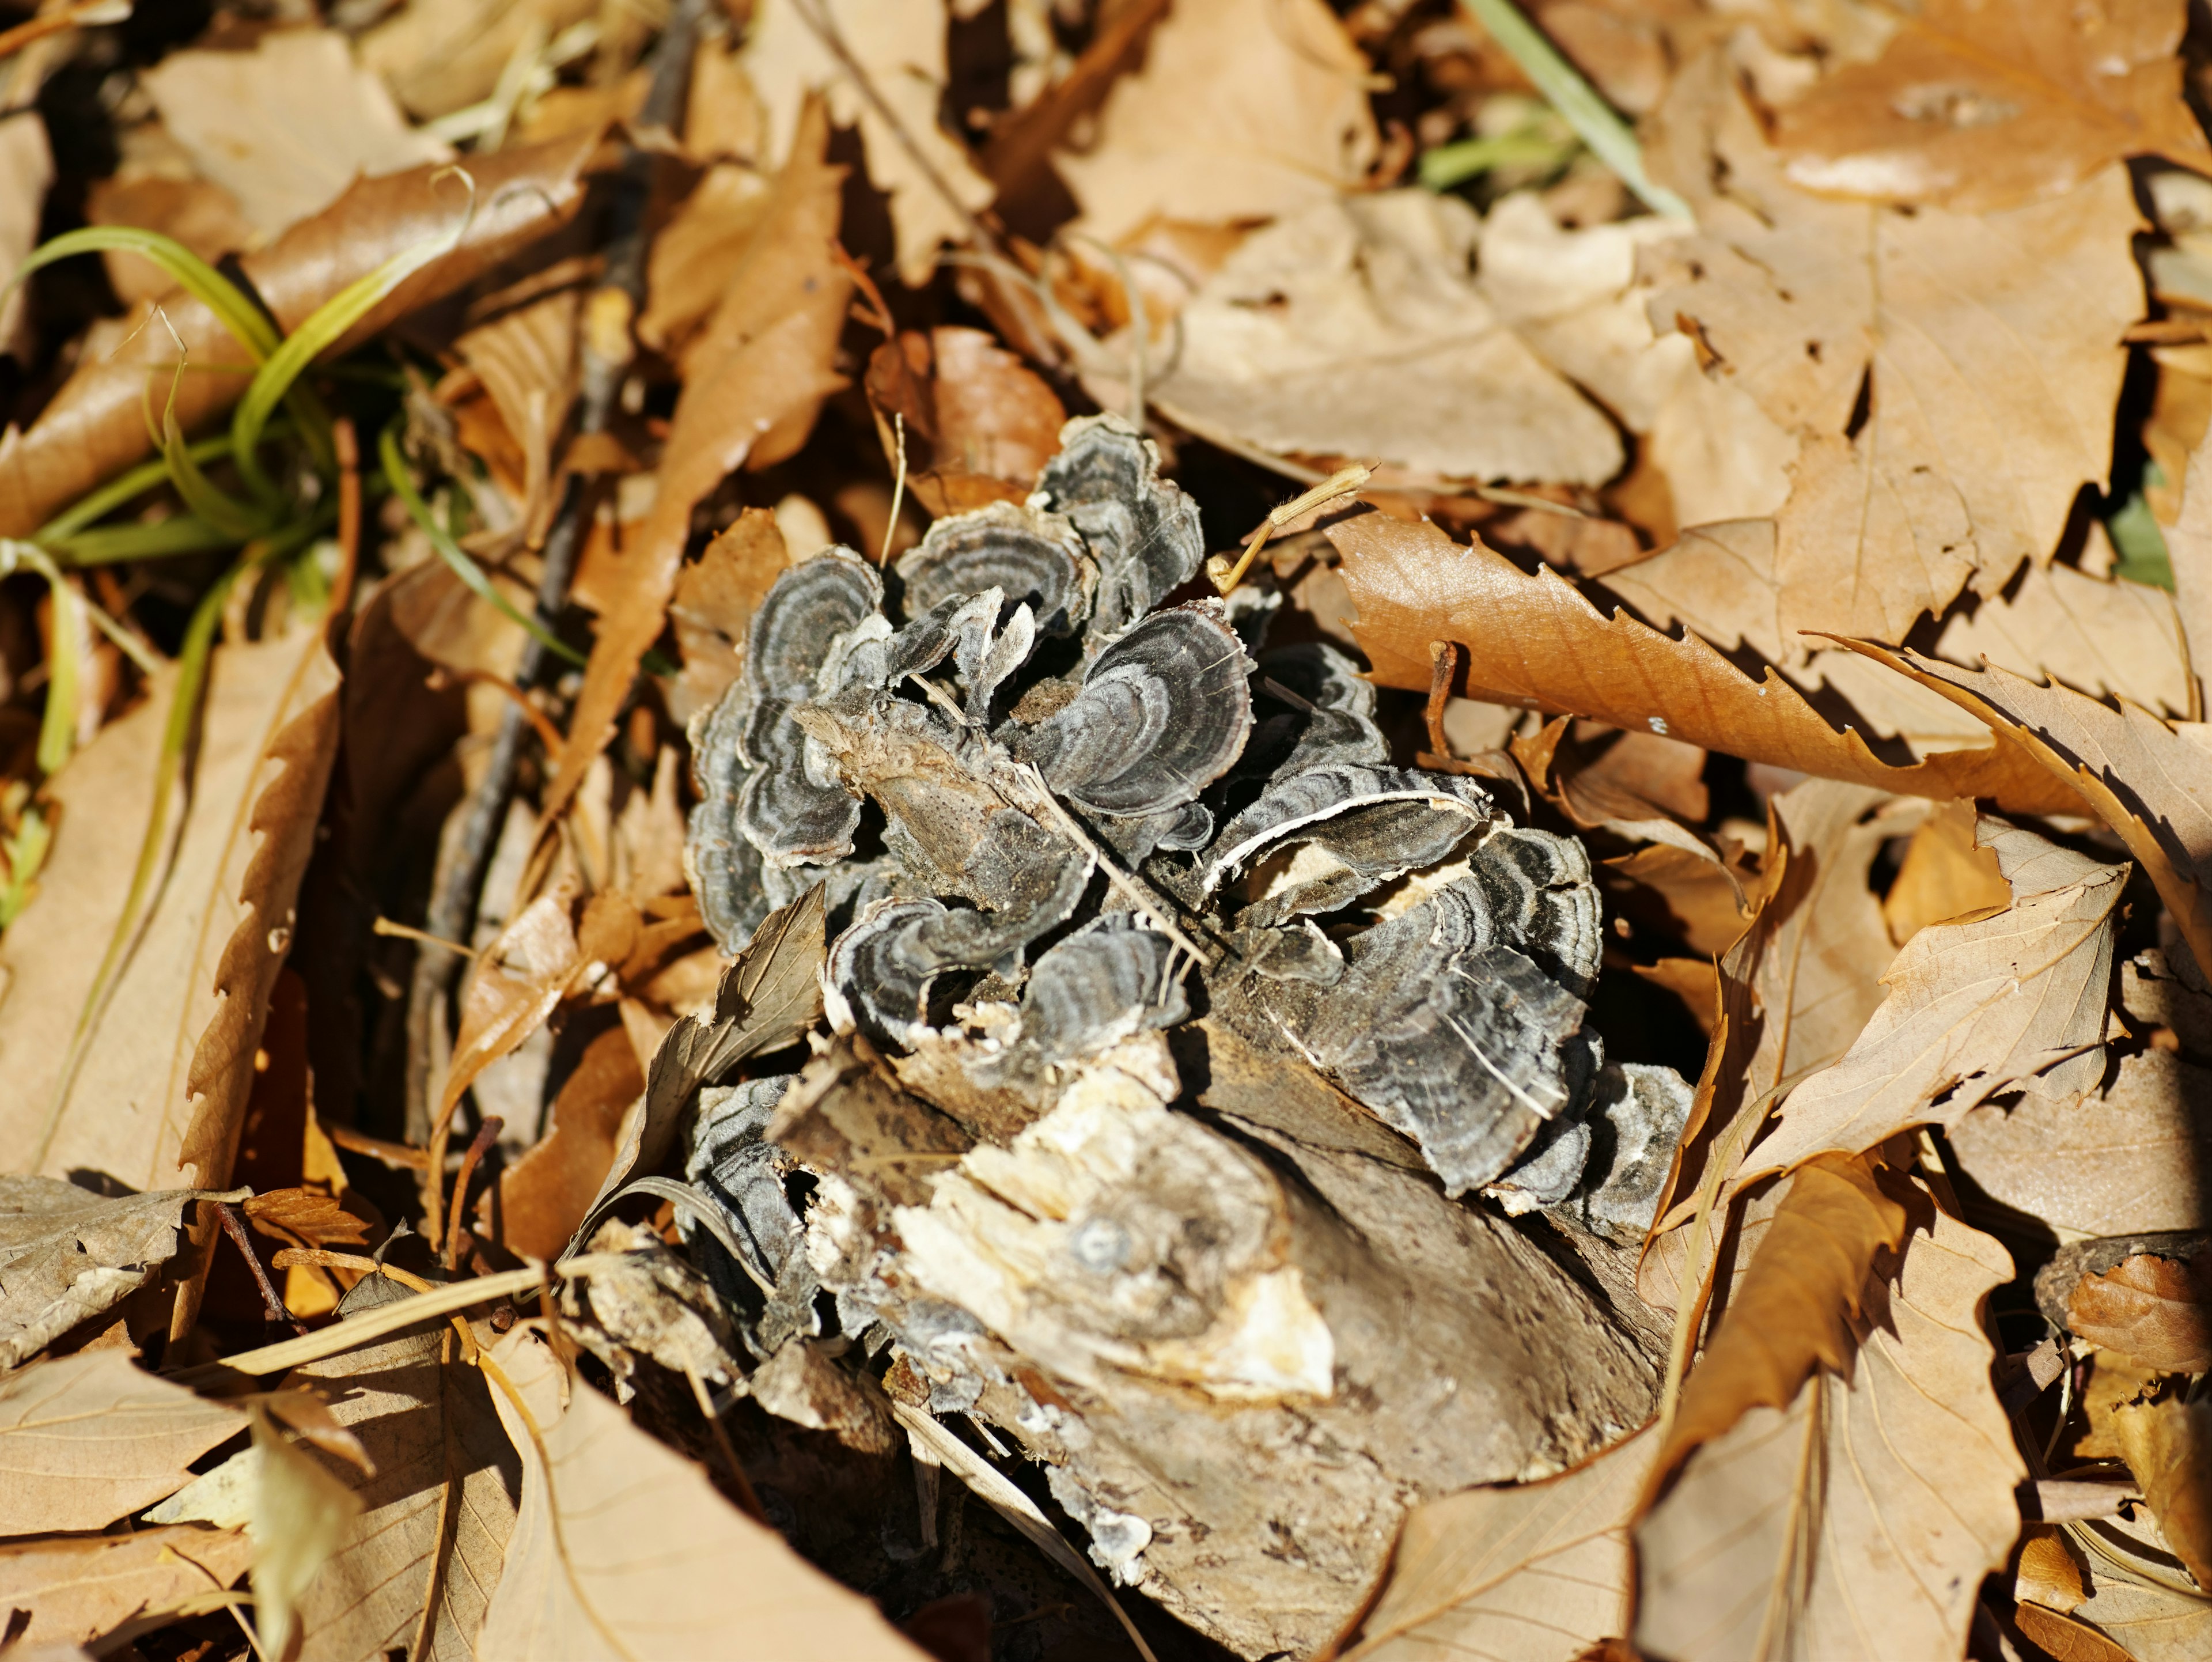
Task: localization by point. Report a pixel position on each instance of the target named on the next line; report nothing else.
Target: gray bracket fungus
(1431, 958)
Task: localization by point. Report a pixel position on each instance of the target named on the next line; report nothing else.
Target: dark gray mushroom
(1110, 979)
(1636, 1114)
(1163, 712)
(810, 606)
(1143, 531)
(732, 1160)
(1029, 556)
(794, 814)
(881, 972)
(1329, 866)
(723, 868)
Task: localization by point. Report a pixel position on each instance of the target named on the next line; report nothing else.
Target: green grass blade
(209, 501)
(323, 329)
(403, 486)
(64, 659)
(1451, 164)
(25, 851)
(1610, 138)
(184, 534)
(190, 273)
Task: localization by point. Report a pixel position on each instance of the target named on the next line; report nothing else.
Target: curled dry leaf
(1413, 585)
(76, 1588)
(444, 58)
(67, 1255)
(516, 983)
(2065, 1639)
(86, 1439)
(1973, 1008)
(2129, 1160)
(299, 1516)
(286, 127)
(1242, 110)
(27, 164)
(2168, 1446)
(2154, 1623)
(144, 1072)
(1793, 1312)
(527, 360)
(715, 601)
(980, 424)
(544, 1195)
(94, 427)
(1975, 110)
(2156, 1313)
(762, 370)
(1859, 1519)
(1945, 874)
(623, 1549)
(2149, 781)
(1986, 347)
(1538, 1572)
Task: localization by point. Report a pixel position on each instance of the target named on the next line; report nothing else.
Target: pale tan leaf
(2104, 637)
(2168, 1446)
(286, 127)
(168, 1055)
(1971, 1008)
(444, 57)
(27, 167)
(1945, 874)
(900, 46)
(1798, 984)
(77, 1588)
(1538, 1572)
(2155, 1623)
(2065, 1639)
(203, 216)
(301, 1514)
(2123, 1162)
(1984, 349)
(1243, 110)
(1351, 328)
(87, 1439)
(690, 257)
(426, 1424)
(1858, 1521)
(623, 1548)
(1975, 107)
(67, 1254)
(527, 360)
(2149, 781)
(2154, 1313)
(1538, 642)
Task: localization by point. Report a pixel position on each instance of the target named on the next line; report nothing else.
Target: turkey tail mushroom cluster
(1175, 1024)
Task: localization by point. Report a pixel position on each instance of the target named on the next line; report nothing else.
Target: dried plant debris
(1053, 815)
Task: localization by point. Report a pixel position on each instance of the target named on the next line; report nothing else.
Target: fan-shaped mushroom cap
(1143, 531)
(881, 972)
(723, 868)
(810, 606)
(1163, 712)
(1030, 556)
(794, 814)
(1101, 985)
(1317, 672)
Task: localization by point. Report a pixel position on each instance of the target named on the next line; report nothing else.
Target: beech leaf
(623, 1548)
(2168, 1446)
(77, 1588)
(1859, 1519)
(87, 1439)
(67, 1255)
(1972, 1006)
(2156, 1312)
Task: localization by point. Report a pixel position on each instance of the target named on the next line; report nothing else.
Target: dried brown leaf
(86, 1439)
(167, 1057)
(2155, 1623)
(762, 370)
(623, 1549)
(2046, 1572)
(1352, 328)
(1537, 641)
(543, 1196)
(427, 1426)
(202, 216)
(1792, 1312)
(67, 1255)
(93, 427)
(2156, 1313)
(1538, 1572)
(1859, 1519)
(76, 1588)
(979, 422)
(1971, 1007)
(305, 1216)
(442, 58)
(1975, 108)
(2168, 1446)
(715, 601)
(689, 265)
(900, 46)
(527, 360)
(1985, 348)
(300, 1517)
(2149, 781)
(285, 127)
(1243, 110)
(2065, 1639)
(1945, 874)
(513, 987)
(2129, 1160)
(27, 167)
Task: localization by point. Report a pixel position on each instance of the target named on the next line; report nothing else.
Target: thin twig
(746, 1499)
(236, 1230)
(486, 1134)
(898, 489)
(457, 887)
